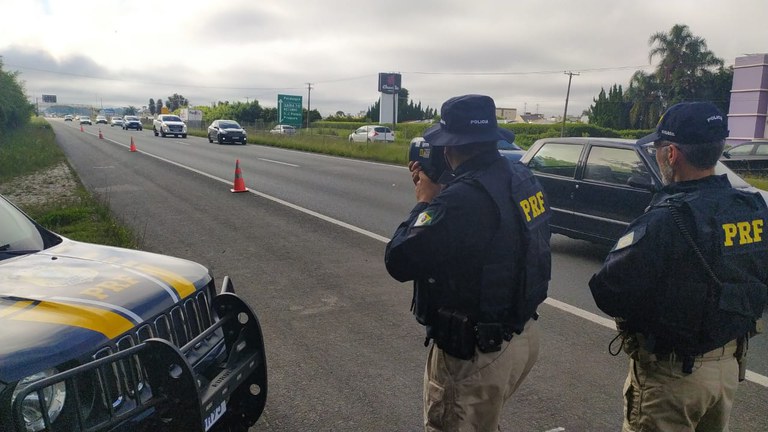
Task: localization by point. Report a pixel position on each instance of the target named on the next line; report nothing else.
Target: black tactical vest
(697, 311)
(511, 287)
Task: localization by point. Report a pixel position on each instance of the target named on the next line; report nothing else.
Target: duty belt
(724, 352)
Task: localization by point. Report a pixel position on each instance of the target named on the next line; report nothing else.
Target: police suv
(98, 338)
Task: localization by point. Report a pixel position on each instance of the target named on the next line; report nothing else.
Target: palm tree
(646, 102)
(684, 58)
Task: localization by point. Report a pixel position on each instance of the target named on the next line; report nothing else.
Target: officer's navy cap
(690, 123)
(464, 120)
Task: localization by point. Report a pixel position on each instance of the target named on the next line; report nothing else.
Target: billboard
(49, 98)
(389, 82)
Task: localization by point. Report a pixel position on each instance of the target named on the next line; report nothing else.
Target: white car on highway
(169, 124)
(372, 133)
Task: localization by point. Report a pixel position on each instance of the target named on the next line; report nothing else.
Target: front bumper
(159, 388)
(232, 137)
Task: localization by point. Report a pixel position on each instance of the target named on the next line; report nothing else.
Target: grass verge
(82, 217)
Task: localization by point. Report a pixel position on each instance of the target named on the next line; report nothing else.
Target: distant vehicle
(748, 156)
(372, 133)
(68, 117)
(283, 130)
(132, 122)
(226, 131)
(169, 124)
(85, 120)
(597, 186)
(101, 120)
(116, 121)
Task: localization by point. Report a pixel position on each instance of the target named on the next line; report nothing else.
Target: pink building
(749, 99)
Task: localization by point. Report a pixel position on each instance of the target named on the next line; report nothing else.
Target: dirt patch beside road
(55, 183)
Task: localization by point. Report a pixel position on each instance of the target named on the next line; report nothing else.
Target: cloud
(125, 52)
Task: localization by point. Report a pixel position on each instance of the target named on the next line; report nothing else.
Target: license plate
(214, 416)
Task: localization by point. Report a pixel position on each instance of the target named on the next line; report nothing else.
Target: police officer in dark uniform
(477, 250)
(687, 283)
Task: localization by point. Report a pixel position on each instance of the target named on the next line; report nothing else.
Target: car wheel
(154, 131)
(183, 135)
(351, 140)
(210, 140)
(162, 134)
(141, 128)
(245, 142)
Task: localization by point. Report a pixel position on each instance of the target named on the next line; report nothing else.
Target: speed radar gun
(430, 158)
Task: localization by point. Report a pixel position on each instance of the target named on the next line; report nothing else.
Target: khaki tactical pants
(468, 395)
(658, 396)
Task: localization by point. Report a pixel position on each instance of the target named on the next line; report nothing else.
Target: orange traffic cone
(81, 128)
(239, 185)
(101, 136)
(133, 146)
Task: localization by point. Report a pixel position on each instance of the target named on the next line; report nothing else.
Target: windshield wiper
(4, 250)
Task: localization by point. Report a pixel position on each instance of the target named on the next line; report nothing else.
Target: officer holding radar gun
(687, 282)
(476, 246)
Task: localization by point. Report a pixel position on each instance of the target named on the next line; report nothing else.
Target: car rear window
(558, 159)
(382, 129)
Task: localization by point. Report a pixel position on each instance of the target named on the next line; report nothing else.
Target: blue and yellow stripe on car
(106, 322)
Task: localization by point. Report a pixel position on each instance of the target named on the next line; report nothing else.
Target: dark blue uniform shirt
(447, 238)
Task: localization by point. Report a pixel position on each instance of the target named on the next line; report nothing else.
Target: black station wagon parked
(597, 186)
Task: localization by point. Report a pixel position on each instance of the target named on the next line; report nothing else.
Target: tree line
(15, 109)
(687, 71)
(252, 112)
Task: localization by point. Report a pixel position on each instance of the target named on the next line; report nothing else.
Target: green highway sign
(289, 110)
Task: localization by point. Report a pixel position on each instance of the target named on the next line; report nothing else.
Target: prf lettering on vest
(533, 206)
(748, 232)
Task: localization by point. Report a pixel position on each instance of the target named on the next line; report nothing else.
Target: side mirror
(642, 182)
(726, 154)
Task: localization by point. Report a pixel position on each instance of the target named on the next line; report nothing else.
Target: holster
(742, 344)
(455, 334)
(489, 336)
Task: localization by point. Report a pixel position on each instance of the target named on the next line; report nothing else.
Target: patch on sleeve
(629, 238)
(425, 218)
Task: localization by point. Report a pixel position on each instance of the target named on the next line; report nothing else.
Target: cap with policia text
(464, 120)
(690, 123)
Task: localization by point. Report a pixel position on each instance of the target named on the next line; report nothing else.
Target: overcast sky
(115, 53)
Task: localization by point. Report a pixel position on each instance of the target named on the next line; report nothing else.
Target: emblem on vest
(533, 206)
(744, 232)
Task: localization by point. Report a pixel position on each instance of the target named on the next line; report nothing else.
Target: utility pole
(309, 102)
(567, 94)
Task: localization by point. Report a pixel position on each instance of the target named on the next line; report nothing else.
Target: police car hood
(64, 302)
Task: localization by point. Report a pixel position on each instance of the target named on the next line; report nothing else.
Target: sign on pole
(289, 110)
(49, 98)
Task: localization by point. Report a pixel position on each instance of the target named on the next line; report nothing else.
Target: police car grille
(123, 380)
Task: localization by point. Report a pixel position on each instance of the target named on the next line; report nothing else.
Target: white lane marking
(581, 313)
(589, 316)
(557, 429)
(278, 162)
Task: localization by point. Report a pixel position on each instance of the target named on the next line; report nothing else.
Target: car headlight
(32, 407)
